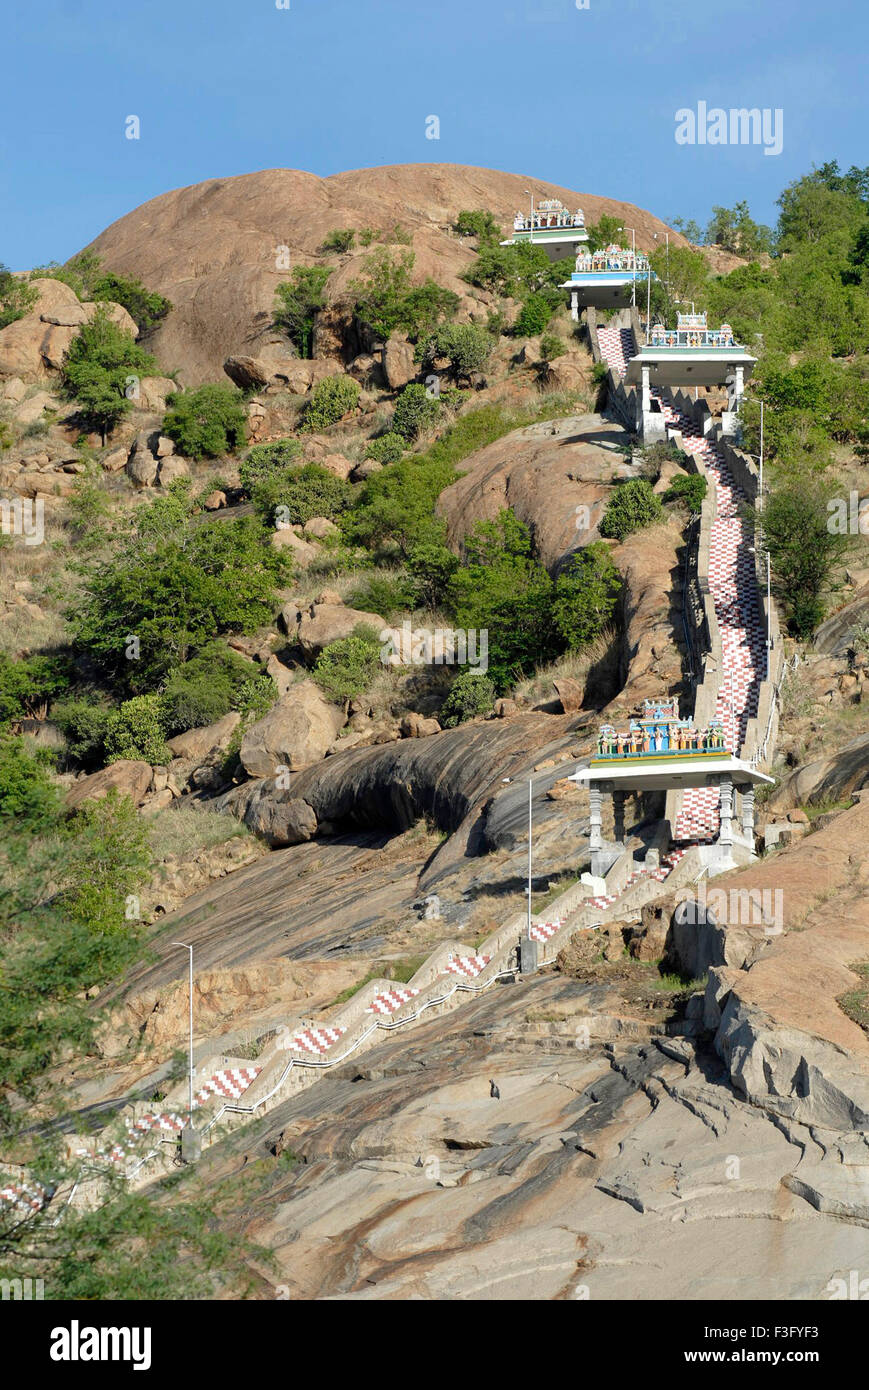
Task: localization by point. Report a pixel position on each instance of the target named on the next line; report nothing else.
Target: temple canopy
(691, 354)
(550, 225)
(658, 773)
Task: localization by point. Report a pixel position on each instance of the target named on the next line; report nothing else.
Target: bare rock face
(281, 819)
(298, 730)
(398, 365)
(127, 776)
(170, 468)
(320, 527)
(197, 744)
(826, 779)
(415, 726)
(303, 552)
(142, 468)
(328, 622)
(834, 635)
(570, 692)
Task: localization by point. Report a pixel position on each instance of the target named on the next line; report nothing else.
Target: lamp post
(531, 223)
(760, 461)
(530, 827)
(634, 270)
(191, 1146)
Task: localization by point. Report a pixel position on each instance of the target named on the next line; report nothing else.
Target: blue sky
(582, 97)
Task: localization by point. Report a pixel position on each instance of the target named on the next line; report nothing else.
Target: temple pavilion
(660, 751)
(552, 226)
(606, 277)
(691, 354)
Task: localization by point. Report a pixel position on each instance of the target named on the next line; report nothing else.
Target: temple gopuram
(552, 226)
(606, 277)
(658, 734)
(659, 751)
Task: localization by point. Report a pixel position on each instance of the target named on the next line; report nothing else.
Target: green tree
(688, 490)
(98, 369)
(586, 594)
(28, 797)
(208, 422)
(502, 590)
(386, 300)
(299, 301)
(804, 546)
(173, 595)
(386, 448)
(340, 241)
(466, 346)
(735, 230)
(479, 224)
(533, 317)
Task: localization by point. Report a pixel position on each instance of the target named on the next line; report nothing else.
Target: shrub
(17, 298)
(386, 300)
(482, 225)
(388, 448)
(145, 306)
(97, 368)
(202, 690)
(304, 492)
(470, 695)
(84, 719)
(632, 506)
(533, 316)
(207, 422)
(339, 241)
(330, 401)
(111, 856)
(174, 595)
(255, 696)
(138, 730)
(28, 797)
(432, 565)
(346, 667)
(415, 411)
(467, 347)
(300, 299)
(382, 593)
(551, 346)
(586, 594)
(689, 489)
(264, 460)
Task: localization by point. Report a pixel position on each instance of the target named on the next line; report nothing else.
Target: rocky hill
(213, 248)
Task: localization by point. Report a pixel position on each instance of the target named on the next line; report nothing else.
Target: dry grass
(539, 688)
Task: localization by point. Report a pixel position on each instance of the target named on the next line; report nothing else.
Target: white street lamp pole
(529, 855)
(760, 476)
(191, 1068)
(634, 269)
(531, 223)
(768, 613)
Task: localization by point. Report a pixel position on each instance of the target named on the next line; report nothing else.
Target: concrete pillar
(647, 391)
(738, 387)
(619, 816)
(725, 834)
(595, 796)
(574, 305)
(748, 812)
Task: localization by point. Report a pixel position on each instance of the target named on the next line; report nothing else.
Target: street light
(529, 854)
(531, 223)
(191, 1146)
(634, 271)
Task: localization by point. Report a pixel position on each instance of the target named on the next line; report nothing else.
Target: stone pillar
(725, 834)
(647, 391)
(738, 386)
(619, 816)
(748, 813)
(574, 305)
